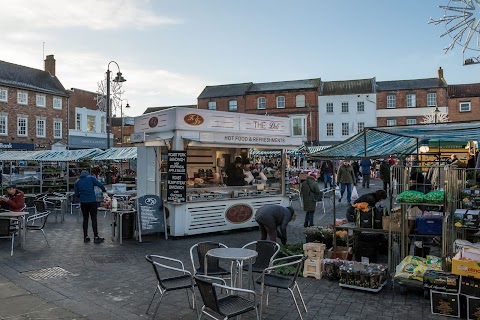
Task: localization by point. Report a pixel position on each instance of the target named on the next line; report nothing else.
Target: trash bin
(128, 223)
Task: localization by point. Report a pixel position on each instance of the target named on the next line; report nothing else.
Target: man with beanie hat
(270, 217)
(309, 190)
(14, 200)
(85, 190)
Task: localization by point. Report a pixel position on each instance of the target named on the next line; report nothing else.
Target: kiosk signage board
(177, 176)
(151, 215)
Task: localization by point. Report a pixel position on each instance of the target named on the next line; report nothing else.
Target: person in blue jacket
(84, 189)
(365, 167)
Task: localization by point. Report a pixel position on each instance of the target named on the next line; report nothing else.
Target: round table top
(232, 253)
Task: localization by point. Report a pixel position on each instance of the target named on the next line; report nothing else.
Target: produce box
(343, 253)
(471, 218)
(458, 217)
(470, 286)
(447, 304)
(429, 225)
(463, 267)
(441, 281)
(473, 308)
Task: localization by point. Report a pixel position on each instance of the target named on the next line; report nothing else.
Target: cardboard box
(446, 304)
(119, 187)
(471, 219)
(470, 286)
(462, 267)
(441, 281)
(473, 308)
(342, 253)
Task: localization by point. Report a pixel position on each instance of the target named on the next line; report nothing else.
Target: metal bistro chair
(295, 196)
(41, 214)
(8, 230)
(181, 280)
(213, 267)
(228, 306)
(75, 204)
(267, 251)
(270, 279)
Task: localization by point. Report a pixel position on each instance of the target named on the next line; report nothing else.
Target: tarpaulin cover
(117, 154)
(48, 155)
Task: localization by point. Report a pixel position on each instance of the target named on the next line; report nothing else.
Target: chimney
(440, 73)
(50, 64)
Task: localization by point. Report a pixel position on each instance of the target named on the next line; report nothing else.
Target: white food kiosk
(182, 157)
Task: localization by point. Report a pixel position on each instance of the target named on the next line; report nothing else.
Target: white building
(345, 108)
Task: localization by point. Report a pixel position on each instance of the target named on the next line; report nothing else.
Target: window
(103, 123)
(411, 100)
(360, 106)
(57, 129)
(431, 99)
(41, 127)
(212, 105)
(22, 126)
(57, 103)
(3, 124)
(300, 101)
(261, 103)
(329, 129)
(411, 121)
(22, 97)
(344, 107)
(329, 107)
(126, 139)
(360, 126)
(281, 102)
(391, 122)
(299, 127)
(91, 123)
(465, 106)
(78, 122)
(345, 131)
(3, 95)
(391, 101)
(41, 101)
(232, 105)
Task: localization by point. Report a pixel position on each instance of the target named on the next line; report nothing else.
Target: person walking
(270, 217)
(356, 170)
(84, 189)
(327, 171)
(385, 174)
(365, 166)
(309, 190)
(346, 177)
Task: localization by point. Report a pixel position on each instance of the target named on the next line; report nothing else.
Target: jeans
(328, 179)
(349, 191)
(89, 209)
(309, 219)
(386, 185)
(366, 180)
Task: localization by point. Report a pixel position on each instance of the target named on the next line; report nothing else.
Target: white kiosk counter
(182, 155)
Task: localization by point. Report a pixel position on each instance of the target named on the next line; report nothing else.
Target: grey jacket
(345, 174)
(309, 187)
(273, 216)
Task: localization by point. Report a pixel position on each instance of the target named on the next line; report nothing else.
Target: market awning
(117, 154)
(18, 155)
(66, 155)
(447, 131)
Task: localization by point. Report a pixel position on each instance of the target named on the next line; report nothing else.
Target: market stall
(184, 157)
(122, 165)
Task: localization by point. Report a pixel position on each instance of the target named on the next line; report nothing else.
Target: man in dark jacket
(365, 167)
(84, 189)
(234, 171)
(309, 190)
(385, 174)
(327, 171)
(371, 198)
(14, 200)
(270, 217)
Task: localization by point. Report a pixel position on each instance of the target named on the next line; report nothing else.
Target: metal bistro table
(63, 205)
(117, 223)
(238, 255)
(20, 217)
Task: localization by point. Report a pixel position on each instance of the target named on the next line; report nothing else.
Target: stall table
(117, 235)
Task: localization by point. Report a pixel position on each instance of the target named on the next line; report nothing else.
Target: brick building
(406, 102)
(33, 107)
(464, 102)
(296, 99)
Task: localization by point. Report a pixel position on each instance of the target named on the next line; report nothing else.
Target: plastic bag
(354, 193)
(338, 195)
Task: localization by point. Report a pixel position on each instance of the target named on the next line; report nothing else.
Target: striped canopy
(117, 154)
(48, 155)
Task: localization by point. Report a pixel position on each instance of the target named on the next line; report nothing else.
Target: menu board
(177, 176)
(151, 216)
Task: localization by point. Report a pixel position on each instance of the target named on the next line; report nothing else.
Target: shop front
(87, 142)
(8, 146)
(185, 158)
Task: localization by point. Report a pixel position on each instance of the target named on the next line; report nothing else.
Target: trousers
(89, 209)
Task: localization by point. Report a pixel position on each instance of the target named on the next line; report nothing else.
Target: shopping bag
(338, 195)
(354, 193)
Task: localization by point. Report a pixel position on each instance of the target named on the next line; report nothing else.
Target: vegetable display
(435, 197)
(411, 196)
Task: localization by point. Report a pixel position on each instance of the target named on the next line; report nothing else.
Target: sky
(169, 51)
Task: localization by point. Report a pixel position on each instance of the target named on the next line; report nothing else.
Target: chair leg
(13, 241)
(296, 304)
(158, 305)
(301, 297)
(154, 293)
(45, 238)
(201, 312)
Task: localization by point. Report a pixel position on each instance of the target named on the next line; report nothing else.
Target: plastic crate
(429, 225)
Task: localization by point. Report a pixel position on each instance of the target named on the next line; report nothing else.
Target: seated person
(371, 198)
(14, 200)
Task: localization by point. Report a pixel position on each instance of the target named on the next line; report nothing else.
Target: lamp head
(119, 78)
(127, 106)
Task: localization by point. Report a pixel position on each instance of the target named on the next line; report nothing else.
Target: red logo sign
(239, 213)
(193, 119)
(153, 122)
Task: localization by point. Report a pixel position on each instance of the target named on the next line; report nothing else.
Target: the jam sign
(193, 119)
(239, 213)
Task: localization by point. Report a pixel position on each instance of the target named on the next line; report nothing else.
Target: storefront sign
(88, 142)
(247, 139)
(239, 213)
(16, 146)
(151, 217)
(177, 176)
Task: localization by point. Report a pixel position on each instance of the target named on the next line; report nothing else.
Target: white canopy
(117, 154)
(48, 155)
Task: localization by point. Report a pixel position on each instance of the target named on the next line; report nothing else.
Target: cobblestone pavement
(113, 281)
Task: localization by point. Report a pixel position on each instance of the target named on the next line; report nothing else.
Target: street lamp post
(118, 78)
(121, 116)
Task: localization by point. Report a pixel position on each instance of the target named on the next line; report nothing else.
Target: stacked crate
(313, 266)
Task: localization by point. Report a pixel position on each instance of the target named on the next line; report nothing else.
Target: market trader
(235, 175)
(270, 217)
(85, 190)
